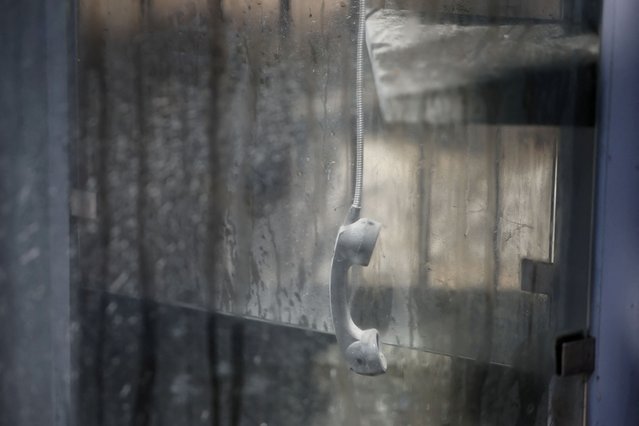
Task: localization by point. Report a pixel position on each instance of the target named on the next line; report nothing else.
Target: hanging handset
(354, 246)
(355, 242)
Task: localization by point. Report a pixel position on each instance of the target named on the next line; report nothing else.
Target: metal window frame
(613, 389)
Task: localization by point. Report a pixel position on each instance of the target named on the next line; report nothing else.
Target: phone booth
(287, 212)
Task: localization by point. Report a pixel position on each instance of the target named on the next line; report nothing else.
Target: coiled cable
(359, 107)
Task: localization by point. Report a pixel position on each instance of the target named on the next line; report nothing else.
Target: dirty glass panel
(214, 166)
(214, 163)
(208, 369)
(212, 136)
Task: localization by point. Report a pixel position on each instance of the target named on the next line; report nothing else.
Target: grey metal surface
(501, 9)
(428, 71)
(614, 387)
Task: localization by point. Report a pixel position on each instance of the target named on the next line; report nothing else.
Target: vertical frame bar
(35, 131)
(614, 387)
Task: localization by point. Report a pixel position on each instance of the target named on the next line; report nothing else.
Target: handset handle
(354, 246)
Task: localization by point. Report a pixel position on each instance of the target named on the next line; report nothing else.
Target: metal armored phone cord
(359, 107)
(354, 246)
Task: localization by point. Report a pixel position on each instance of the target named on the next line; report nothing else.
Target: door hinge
(574, 354)
(83, 204)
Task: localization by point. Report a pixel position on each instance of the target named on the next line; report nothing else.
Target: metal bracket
(574, 354)
(83, 204)
(537, 276)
